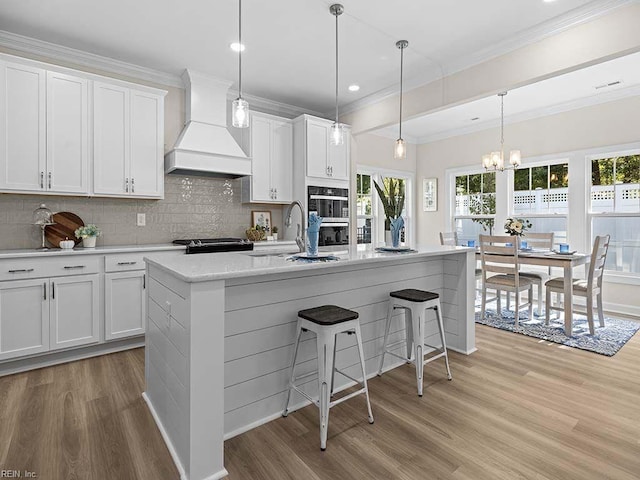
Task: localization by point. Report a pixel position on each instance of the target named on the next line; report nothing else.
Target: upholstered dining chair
(590, 288)
(499, 257)
(539, 241)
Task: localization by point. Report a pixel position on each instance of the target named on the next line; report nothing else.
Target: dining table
(567, 262)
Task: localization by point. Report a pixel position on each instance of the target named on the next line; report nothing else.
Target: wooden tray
(64, 228)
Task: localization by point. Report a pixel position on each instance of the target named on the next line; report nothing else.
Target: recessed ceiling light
(354, 88)
(548, 1)
(237, 47)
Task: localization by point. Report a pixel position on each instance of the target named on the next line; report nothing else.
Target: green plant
(274, 229)
(483, 205)
(392, 197)
(87, 231)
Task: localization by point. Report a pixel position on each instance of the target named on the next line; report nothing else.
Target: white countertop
(219, 266)
(32, 252)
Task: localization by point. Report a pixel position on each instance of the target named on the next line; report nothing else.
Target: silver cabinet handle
(144, 281)
(44, 290)
(126, 185)
(53, 291)
(73, 267)
(49, 180)
(22, 270)
(133, 185)
(42, 180)
(127, 263)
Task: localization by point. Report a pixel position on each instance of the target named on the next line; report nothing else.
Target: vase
(89, 242)
(396, 227)
(387, 238)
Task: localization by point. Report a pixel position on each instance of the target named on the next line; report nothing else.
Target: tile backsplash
(193, 207)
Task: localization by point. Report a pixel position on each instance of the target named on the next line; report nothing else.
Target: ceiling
(565, 92)
(290, 43)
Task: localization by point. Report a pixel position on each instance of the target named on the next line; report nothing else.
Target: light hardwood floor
(516, 409)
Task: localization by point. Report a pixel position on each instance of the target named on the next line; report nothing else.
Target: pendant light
(400, 152)
(240, 107)
(495, 160)
(337, 129)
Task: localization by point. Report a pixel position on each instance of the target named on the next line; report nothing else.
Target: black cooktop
(211, 245)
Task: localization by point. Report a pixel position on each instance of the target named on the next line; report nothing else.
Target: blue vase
(396, 227)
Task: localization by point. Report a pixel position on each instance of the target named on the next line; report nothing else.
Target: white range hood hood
(205, 146)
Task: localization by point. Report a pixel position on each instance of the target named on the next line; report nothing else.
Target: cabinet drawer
(123, 262)
(25, 268)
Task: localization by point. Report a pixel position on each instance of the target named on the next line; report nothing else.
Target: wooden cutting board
(64, 228)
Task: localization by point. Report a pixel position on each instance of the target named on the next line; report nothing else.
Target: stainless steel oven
(332, 204)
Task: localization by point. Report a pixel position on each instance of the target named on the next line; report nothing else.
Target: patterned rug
(606, 340)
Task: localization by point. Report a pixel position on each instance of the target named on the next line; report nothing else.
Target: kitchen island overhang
(221, 329)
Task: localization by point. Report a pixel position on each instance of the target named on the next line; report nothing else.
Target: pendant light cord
(240, 49)
(337, 69)
(401, 70)
(502, 123)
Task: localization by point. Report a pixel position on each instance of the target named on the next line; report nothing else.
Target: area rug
(606, 340)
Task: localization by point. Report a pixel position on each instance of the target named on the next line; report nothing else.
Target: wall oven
(332, 204)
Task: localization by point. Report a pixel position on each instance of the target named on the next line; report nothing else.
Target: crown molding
(526, 37)
(80, 58)
(272, 107)
(85, 59)
(576, 104)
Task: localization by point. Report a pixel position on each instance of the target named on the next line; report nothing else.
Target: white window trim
(376, 173)
(579, 219)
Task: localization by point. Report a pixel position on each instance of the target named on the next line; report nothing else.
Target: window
(370, 212)
(475, 207)
(363, 207)
(615, 209)
(541, 194)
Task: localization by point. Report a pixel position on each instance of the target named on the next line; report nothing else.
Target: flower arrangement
(88, 231)
(516, 226)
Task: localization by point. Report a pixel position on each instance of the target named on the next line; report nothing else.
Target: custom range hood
(205, 147)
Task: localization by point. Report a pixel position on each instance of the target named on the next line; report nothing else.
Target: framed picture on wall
(261, 218)
(429, 194)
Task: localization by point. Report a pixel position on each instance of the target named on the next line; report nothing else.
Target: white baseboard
(48, 359)
(174, 455)
(165, 437)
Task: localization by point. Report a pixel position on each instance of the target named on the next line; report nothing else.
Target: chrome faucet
(300, 233)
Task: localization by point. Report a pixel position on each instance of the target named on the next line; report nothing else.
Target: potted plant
(274, 232)
(88, 234)
(392, 197)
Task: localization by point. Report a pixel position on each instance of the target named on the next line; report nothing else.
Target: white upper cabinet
(67, 134)
(22, 127)
(111, 132)
(271, 147)
(323, 160)
(51, 116)
(128, 142)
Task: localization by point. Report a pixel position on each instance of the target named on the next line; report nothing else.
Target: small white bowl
(67, 244)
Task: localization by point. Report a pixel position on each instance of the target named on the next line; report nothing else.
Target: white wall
(602, 125)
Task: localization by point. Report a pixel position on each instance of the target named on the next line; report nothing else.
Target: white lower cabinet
(74, 311)
(24, 318)
(124, 303)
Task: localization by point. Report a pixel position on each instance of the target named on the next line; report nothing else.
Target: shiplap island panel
(221, 329)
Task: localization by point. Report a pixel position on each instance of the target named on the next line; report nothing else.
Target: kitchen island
(221, 330)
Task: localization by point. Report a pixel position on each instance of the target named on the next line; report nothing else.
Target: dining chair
(499, 257)
(539, 241)
(451, 239)
(589, 288)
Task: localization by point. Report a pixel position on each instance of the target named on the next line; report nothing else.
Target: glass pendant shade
(497, 160)
(337, 134)
(240, 113)
(400, 150)
(515, 158)
(486, 161)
